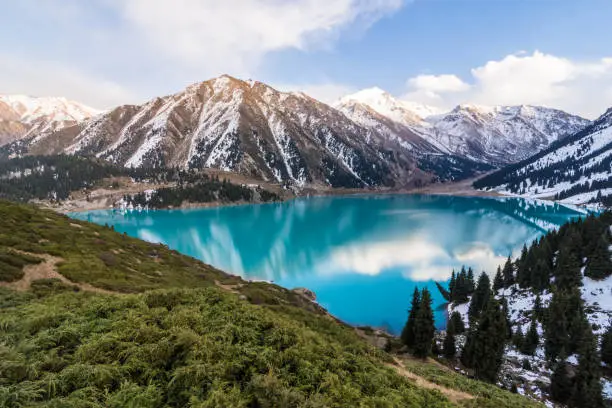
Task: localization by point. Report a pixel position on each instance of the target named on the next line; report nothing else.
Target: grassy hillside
(92, 318)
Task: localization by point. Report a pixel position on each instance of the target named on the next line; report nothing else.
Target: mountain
(22, 115)
(494, 135)
(91, 317)
(575, 170)
(250, 128)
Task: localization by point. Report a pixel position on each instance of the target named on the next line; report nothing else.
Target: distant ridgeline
(547, 312)
(56, 177)
(576, 168)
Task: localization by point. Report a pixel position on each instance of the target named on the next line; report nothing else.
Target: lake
(361, 255)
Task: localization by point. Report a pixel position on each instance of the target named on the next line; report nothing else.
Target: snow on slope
(575, 171)
(495, 135)
(22, 115)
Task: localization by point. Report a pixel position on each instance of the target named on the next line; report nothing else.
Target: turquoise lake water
(361, 255)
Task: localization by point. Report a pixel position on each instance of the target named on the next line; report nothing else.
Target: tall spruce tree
(449, 346)
(456, 322)
(484, 347)
(599, 265)
(407, 335)
(424, 328)
(498, 281)
(471, 284)
(531, 340)
(508, 273)
(561, 385)
(567, 270)
(606, 346)
(481, 296)
(587, 389)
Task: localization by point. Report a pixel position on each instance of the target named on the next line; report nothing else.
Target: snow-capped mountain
(21, 115)
(495, 135)
(250, 128)
(575, 170)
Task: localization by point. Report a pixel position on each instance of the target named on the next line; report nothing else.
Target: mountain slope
(21, 115)
(85, 322)
(494, 135)
(576, 170)
(250, 128)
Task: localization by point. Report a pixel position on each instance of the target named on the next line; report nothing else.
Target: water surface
(362, 256)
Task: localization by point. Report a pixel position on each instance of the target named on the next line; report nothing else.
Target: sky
(103, 53)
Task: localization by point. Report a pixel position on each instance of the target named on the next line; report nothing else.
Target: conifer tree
(498, 281)
(599, 265)
(606, 346)
(518, 338)
(424, 328)
(508, 273)
(451, 286)
(470, 281)
(456, 322)
(588, 390)
(538, 309)
(407, 335)
(561, 385)
(484, 348)
(506, 311)
(540, 275)
(530, 343)
(449, 347)
(567, 270)
(480, 297)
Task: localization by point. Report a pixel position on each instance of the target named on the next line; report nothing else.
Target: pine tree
(561, 384)
(599, 265)
(540, 275)
(567, 270)
(518, 338)
(606, 346)
(449, 347)
(498, 281)
(407, 335)
(506, 311)
(451, 286)
(481, 296)
(470, 281)
(538, 309)
(530, 343)
(455, 322)
(588, 390)
(424, 328)
(484, 348)
(556, 327)
(508, 273)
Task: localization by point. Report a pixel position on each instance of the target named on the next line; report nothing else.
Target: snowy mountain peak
(382, 102)
(31, 109)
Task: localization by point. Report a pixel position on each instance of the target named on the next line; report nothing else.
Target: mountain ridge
(575, 170)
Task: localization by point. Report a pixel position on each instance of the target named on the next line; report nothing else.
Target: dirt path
(453, 395)
(47, 270)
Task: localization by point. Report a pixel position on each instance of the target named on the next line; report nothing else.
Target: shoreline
(460, 189)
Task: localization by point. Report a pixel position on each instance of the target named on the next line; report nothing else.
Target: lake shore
(105, 199)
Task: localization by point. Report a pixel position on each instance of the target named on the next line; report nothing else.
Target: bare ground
(453, 395)
(47, 270)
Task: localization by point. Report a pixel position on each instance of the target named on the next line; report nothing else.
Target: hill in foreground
(92, 318)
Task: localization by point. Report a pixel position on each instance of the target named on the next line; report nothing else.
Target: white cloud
(45, 78)
(233, 35)
(582, 87)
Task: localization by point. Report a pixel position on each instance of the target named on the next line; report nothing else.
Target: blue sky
(441, 52)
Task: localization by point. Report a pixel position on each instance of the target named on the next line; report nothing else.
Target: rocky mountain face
(495, 135)
(575, 170)
(21, 116)
(251, 128)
